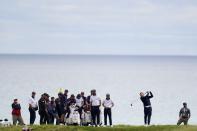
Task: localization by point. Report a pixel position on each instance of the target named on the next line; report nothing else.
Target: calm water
(171, 79)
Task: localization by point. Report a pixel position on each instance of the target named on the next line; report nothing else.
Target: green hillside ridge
(115, 128)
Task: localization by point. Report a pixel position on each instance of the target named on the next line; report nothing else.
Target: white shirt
(32, 102)
(108, 103)
(95, 100)
(79, 102)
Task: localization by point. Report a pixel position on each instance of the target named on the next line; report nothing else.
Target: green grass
(115, 128)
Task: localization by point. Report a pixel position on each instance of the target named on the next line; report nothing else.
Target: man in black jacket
(147, 106)
(42, 103)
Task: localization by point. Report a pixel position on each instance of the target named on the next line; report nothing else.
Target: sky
(115, 27)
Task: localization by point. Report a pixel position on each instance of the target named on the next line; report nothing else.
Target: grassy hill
(115, 128)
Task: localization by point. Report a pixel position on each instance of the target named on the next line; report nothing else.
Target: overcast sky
(125, 27)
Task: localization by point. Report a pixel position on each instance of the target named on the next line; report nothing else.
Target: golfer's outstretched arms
(151, 94)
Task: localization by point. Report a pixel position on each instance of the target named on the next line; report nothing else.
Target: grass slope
(115, 128)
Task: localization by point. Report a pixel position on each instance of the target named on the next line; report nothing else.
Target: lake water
(172, 80)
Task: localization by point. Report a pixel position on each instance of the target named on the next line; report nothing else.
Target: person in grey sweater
(184, 115)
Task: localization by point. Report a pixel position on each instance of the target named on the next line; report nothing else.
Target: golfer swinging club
(145, 98)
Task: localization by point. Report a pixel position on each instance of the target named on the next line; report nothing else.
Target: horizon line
(53, 54)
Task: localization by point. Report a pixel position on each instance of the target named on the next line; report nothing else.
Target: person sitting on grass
(16, 113)
(184, 114)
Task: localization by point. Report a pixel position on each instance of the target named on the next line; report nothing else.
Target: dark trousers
(51, 119)
(32, 116)
(147, 115)
(95, 111)
(80, 111)
(184, 120)
(107, 112)
(44, 118)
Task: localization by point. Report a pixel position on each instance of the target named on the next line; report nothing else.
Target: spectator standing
(16, 113)
(33, 107)
(95, 103)
(108, 104)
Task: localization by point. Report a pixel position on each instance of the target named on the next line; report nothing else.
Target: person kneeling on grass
(184, 114)
(16, 113)
(108, 104)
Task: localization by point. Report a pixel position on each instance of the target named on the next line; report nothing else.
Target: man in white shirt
(95, 103)
(108, 104)
(33, 107)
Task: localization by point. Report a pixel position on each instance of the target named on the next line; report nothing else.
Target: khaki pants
(16, 118)
(183, 120)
